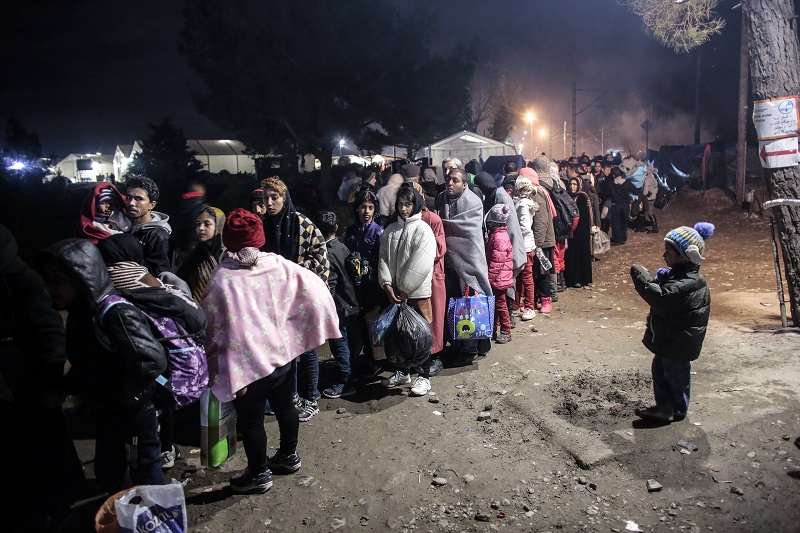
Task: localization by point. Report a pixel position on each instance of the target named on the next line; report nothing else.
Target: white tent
(85, 167)
(466, 145)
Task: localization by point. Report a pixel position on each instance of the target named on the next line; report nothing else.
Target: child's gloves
(662, 273)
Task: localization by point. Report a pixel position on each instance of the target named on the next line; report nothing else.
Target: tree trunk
(775, 72)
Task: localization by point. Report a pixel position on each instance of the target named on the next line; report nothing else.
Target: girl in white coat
(405, 271)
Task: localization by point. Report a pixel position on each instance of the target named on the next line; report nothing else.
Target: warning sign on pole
(779, 153)
(776, 118)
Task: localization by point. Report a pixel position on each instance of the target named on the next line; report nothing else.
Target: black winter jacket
(339, 282)
(680, 304)
(123, 372)
(32, 341)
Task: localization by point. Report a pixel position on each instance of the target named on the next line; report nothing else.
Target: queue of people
(263, 286)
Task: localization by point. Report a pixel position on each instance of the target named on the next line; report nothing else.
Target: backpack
(567, 213)
(186, 357)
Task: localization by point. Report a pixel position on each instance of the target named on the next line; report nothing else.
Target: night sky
(88, 75)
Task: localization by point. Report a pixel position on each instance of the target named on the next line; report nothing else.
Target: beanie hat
(523, 186)
(690, 242)
(473, 167)
(542, 165)
(498, 214)
(410, 170)
(243, 229)
(258, 196)
(107, 195)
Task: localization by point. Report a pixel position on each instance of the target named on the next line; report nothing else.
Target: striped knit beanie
(691, 242)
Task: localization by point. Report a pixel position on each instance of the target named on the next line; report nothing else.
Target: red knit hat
(243, 229)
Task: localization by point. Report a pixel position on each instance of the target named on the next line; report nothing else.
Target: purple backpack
(186, 358)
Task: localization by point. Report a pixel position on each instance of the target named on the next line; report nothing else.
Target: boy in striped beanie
(680, 304)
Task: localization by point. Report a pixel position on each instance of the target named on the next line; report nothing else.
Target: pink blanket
(261, 318)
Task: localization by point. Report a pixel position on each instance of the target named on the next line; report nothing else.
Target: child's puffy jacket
(500, 256)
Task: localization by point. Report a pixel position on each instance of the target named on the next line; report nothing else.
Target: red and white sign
(776, 118)
(779, 153)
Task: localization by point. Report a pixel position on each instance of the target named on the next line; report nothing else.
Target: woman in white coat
(405, 271)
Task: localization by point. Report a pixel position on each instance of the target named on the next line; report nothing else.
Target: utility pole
(564, 148)
(602, 141)
(574, 115)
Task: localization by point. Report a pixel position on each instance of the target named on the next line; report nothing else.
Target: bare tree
(482, 92)
(681, 26)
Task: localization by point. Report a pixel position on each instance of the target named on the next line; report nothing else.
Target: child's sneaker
(168, 458)
(307, 410)
(502, 338)
(528, 314)
(284, 464)
(252, 483)
(396, 379)
(421, 386)
(339, 390)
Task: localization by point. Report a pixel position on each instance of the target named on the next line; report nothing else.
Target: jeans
(619, 222)
(348, 347)
(307, 366)
(671, 384)
(277, 388)
(127, 449)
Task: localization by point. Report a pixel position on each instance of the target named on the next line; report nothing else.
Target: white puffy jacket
(408, 249)
(526, 208)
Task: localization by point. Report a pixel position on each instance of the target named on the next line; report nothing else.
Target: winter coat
(680, 305)
(408, 251)
(154, 236)
(120, 370)
(387, 195)
(366, 240)
(500, 256)
(438, 289)
(339, 282)
(32, 343)
(542, 221)
(526, 209)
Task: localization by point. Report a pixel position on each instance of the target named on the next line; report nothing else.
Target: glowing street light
(529, 117)
(17, 165)
(341, 145)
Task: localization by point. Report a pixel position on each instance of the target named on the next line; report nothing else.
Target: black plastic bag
(409, 340)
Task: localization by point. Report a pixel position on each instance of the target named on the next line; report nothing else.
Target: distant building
(85, 167)
(215, 155)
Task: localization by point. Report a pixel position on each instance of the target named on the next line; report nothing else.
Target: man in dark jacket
(680, 305)
(150, 227)
(42, 475)
(510, 175)
(351, 343)
(114, 361)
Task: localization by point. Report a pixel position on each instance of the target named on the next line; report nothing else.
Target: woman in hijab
(293, 236)
(578, 255)
(205, 257)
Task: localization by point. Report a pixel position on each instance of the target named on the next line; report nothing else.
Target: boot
(640, 221)
(654, 229)
(562, 285)
(547, 305)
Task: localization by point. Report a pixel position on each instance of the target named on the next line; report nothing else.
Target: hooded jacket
(339, 282)
(32, 349)
(120, 370)
(154, 236)
(96, 227)
(408, 251)
(680, 305)
(492, 194)
(500, 256)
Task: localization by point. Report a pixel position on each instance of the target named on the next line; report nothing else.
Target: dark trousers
(127, 448)
(277, 388)
(619, 222)
(672, 382)
(346, 349)
(542, 286)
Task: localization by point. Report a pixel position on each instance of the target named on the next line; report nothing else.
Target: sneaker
(528, 314)
(421, 386)
(654, 414)
(298, 403)
(502, 338)
(397, 379)
(252, 483)
(436, 367)
(281, 463)
(547, 305)
(168, 458)
(516, 312)
(307, 410)
(339, 390)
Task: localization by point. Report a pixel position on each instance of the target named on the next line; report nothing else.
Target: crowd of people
(264, 285)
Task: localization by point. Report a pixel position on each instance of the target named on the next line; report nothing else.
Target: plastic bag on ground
(152, 508)
(409, 341)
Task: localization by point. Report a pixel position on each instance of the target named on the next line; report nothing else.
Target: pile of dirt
(597, 399)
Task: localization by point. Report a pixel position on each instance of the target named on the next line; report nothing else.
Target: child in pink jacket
(500, 257)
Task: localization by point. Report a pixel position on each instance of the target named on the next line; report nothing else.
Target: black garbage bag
(409, 340)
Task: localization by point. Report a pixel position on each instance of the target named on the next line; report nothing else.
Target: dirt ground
(561, 448)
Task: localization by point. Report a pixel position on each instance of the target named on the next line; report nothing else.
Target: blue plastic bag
(379, 327)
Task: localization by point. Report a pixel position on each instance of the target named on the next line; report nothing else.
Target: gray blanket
(514, 231)
(466, 253)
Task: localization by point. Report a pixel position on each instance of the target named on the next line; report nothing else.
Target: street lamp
(341, 145)
(529, 117)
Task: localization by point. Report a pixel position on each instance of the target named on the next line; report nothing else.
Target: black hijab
(283, 232)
